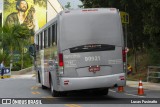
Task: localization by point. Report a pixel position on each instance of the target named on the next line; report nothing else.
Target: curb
(146, 85)
(23, 71)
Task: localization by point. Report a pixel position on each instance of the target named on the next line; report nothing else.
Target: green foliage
(14, 38)
(151, 21)
(68, 5)
(144, 25)
(16, 66)
(27, 60)
(6, 58)
(154, 56)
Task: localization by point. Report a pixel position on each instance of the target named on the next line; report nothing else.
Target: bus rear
(90, 51)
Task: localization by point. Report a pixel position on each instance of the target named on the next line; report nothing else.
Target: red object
(121, 77)
(66, 82)
(140, 88)
(124, 55)
(94, 69)
(61, 63)
(120, 89)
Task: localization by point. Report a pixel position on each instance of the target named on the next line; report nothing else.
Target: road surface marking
(113, 91)
(34, 88)
(72, 105)
(136, 90)
(36, 93)
(48, 97)
(134, 95)
(127, 94)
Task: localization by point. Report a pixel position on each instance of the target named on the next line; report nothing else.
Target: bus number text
(92, 58)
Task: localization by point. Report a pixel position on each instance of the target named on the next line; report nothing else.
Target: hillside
(143, 60)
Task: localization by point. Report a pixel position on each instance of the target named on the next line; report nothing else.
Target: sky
(1, 5)
(74, 3)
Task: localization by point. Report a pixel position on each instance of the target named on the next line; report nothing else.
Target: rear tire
(39, 79)
(44, 87)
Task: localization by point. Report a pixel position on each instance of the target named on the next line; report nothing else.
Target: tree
(68, 5)
(14, 38)
(151, 21)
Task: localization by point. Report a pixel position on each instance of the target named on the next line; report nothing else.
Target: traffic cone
(120, 89)
(140, 88)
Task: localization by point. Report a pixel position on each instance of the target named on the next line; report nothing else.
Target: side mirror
(32, 50)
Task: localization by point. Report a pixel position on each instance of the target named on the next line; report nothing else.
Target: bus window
(37, 42)
(53, 34)
(56, 33)
(41, 44)
(45, 39)
(49, 39)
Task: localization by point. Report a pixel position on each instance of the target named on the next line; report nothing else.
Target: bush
(154, 56)
(27, 61)
(6, 58)
(16, 66)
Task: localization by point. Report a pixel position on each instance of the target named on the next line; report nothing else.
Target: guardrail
(153, 72)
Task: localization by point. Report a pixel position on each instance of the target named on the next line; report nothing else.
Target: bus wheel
(39, 79)
(44, 87)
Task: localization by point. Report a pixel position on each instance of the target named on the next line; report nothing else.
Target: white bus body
(81, 50)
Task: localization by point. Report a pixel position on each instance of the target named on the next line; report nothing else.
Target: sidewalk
(146, 85)
(23, 74)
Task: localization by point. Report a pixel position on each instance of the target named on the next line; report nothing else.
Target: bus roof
(79, 11)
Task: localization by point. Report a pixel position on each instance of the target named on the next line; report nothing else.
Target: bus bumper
(80, 83)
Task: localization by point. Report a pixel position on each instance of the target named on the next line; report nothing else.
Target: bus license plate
(94, 68)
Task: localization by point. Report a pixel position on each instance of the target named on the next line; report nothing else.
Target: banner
(83, 100)
(31, 13)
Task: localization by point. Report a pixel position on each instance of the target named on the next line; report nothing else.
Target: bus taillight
(124, 55)
(61, 63)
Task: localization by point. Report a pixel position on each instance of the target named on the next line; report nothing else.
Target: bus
(81, 49)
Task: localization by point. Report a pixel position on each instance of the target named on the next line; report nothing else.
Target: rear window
(99, 28)
(92, 48)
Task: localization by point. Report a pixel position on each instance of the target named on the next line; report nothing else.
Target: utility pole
(125, 21)
(126, 33)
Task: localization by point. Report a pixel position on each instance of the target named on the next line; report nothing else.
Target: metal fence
(153, 72)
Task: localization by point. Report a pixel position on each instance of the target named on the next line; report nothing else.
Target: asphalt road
(25, 86)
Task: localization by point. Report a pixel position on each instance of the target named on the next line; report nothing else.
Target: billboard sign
(31, 13)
